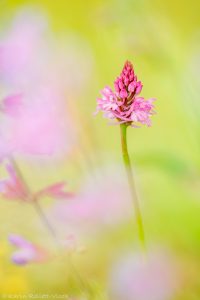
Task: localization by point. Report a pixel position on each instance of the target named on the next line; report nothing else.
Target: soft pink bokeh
(31, 56)
(40, 74)
(38, 125)
(20, 47)
(103, 200)
(137, 277)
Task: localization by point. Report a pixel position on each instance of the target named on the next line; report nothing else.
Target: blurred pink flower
(31, 56)
(123, 104)
(37, 124)
(44, 72)
(35, 118)
(20, 47)
(26, 252)
(56, 191)
(14, 188)
(136, 278)
(99, 203)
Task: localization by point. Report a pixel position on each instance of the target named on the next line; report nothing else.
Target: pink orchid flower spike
(26, 251)
(123, 103)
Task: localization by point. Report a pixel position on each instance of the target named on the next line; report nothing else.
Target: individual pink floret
(26, 252)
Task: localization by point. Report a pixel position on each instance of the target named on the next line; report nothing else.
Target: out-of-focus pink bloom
(99, 203)
(45, 71)
(13, 188)
(37, 124)
(20, 47)
(30, 56)
(124, 104)
(26, 252)
(136, 278)
(56, 191)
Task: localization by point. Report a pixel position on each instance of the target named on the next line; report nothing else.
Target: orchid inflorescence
(123, 103)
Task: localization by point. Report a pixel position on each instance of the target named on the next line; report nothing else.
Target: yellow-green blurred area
(162, 39)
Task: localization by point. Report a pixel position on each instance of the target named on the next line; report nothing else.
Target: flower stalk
(131, 182)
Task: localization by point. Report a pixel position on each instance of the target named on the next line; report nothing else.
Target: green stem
(131, 182)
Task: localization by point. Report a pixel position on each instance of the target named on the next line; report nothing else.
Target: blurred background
(59, 55)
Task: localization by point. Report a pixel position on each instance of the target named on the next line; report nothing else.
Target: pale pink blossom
(123, 103)
(99, 203)
(26, 252)
(31, 56)
(20, 46)
(45, 72)
(14, 188)
(37, 124)
(55, 191)
(153, 278)
(34, 115)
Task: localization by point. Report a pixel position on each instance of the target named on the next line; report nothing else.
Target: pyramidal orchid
(123, 103)
(125, 106)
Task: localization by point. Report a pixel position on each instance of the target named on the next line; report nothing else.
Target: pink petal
(18, 241)
(56, 190)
